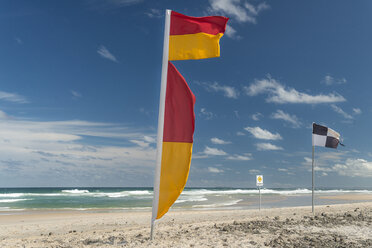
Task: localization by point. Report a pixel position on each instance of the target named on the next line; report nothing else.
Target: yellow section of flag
(194, 46)
(175, 166)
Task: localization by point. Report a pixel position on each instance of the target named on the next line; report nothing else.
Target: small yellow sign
(259, 180)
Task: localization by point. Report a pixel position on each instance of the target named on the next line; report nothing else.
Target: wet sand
(341, 225)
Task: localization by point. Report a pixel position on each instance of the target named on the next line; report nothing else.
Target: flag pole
(312, 195)
(163, 88)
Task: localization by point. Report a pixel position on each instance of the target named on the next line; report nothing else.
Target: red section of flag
(179, 118)
(182, 24)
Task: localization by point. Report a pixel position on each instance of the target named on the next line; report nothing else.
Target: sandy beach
(341, 225)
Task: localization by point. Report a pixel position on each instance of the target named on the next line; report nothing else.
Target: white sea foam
(194, 198)
(11, 195)
(222, 204)
(267, 191)
(138, 193)
(75, 191)
(12, 200)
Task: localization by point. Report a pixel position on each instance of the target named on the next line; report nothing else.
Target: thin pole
(259, 191)
(163, 88)
(312, 195)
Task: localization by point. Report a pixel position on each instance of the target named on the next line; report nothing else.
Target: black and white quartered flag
(325, 136)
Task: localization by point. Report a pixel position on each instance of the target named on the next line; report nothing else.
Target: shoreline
(348, 225)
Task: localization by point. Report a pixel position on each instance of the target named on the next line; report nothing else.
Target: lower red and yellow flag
(179, 124)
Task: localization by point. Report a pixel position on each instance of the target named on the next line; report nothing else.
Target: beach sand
(341, 225)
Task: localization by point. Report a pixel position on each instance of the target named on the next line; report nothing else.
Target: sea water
(134, 199)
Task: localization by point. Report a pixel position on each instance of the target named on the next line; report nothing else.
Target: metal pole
(259, 191)
(312, 198)
(163, 87)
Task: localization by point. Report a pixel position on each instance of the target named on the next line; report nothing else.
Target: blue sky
(80, 82)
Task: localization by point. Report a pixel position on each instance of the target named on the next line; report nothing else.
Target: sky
(80, 85)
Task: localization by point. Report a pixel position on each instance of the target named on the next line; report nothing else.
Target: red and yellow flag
(195, 37)
(178, 134)
(189, 38)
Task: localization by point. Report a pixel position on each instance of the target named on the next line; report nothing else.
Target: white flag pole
(163, 88)
(312, 195)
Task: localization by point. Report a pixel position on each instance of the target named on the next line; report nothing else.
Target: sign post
(259, 184)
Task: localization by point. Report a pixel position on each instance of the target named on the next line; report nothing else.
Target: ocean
(18, 200)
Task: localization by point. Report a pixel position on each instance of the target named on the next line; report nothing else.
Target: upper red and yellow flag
(195, 37)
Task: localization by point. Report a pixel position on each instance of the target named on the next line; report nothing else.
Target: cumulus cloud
(341, 112)
(240, 133)
(256, 116)
(268, 147)
(214, 151)
(105, 53)
(218, 141)
(244, 157)
(253, 171)
(63, 150)
(214, 170)
(357, 111)
(75, 94)
(3, 115)
(154, 13)
(260, 133)
(240, 11)
(140, 143)
(106, 5)
(329, 80)
(228, 91)
(354, 168)
(292, 119)
(149, 139)
(278, 93)
(231, 32)
(206, 114)
(12, 97)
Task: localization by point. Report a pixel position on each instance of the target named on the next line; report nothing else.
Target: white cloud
(63, 150)
(240, 11)
(110, 4)
(282, 169)
(228, 91)
(219, 141)
(357, 111)
(154, 13)
(341, 112)
(206, 114)
(260, 133)
(256, 116)
(12, 97)
(240, 133)
(329, 80)
(105, 53)
(3, 115)
(354, 168)
(231, 33)
(254, 171)
(149, 139)
(19, 41)
(277, 93)
(244, 157)
(75, 94)
(214, 170)
(292, 119)
(214, 151)
(268, 147)
(140, 143)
